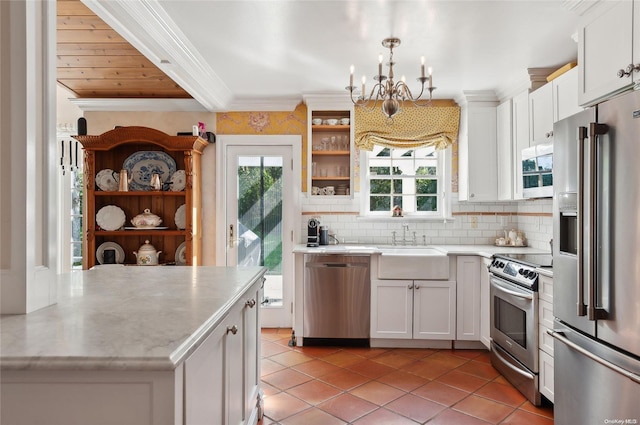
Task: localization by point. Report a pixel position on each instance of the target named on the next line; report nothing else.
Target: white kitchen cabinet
(546, 376)
(468, 298)
(565, 95)
(520, 138)
(391, 308)
(504, 140)
(541, 115)
(605, 46)
(485, 303)
(222, 375)
(477, 149)
(211, 376)
(251, 356)
(545, 322)
(434, 309)
(413, 309)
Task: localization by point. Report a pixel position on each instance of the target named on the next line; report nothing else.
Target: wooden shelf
(325, 127)
(139, 193)
(145, 232)
(330, 178)
(330, 153)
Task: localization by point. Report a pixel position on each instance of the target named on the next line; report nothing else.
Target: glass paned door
(258, 226)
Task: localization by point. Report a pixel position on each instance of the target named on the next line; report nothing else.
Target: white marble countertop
(124, 317)
(481, 250)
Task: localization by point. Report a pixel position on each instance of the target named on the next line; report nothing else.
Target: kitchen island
(137, 345)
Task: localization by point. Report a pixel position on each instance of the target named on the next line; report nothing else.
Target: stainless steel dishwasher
(337, 293)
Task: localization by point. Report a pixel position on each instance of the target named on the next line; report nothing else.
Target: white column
(28, 201)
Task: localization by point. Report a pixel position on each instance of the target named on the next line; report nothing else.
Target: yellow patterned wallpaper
(295, 122)
(271, 123)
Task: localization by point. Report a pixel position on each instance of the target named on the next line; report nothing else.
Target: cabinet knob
(549, 134)
(631, 68)
(410, 286)
(417, 286)
(233, 329)
(250, 303)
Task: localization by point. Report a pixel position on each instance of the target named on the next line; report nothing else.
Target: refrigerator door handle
(593, 312)
(559, 335)
(582, 307)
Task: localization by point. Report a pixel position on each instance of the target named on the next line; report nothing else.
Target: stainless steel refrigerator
(596, 264)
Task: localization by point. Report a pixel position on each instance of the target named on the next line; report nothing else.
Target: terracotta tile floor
(375, 386)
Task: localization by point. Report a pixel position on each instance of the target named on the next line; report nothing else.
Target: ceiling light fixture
(391, 93)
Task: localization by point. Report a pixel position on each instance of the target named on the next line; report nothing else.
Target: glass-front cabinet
(330, 144)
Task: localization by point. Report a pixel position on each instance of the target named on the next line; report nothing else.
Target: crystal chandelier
(391, 93)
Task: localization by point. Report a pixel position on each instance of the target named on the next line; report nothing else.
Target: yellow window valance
(412, 127)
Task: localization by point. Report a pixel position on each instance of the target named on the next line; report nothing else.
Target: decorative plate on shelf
(110, 217)
(178, 181)
(181, 254)
(107, 180)
(110, 245)
(142, 165)
(181, 217)
(146, 228)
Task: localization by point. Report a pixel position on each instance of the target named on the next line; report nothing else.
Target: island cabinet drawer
(213, 376)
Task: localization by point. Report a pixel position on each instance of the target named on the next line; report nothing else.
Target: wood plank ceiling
(93, 61)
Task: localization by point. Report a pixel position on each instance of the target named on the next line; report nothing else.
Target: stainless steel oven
(514, 321)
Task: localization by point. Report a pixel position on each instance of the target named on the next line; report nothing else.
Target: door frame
(259, 141)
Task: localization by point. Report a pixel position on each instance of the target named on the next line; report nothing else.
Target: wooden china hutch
(110, 151)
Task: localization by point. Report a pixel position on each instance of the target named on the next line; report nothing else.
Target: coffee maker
(313, 232)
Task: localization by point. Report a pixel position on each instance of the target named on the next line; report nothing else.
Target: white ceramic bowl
(332, 121)
(316, 121)
(344, 121)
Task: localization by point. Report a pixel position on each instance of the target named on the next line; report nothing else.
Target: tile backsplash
(472, 223)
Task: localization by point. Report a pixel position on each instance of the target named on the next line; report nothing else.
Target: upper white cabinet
(504, 140)
(565, 95)
(520, 121)
(552, 102)
(477, 149)
(605, 47)
(541, 115)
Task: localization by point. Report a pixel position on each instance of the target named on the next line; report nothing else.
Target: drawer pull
(233, 329)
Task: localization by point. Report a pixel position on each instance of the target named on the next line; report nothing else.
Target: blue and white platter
(142, 165)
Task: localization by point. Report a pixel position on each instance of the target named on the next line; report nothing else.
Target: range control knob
(532, 275)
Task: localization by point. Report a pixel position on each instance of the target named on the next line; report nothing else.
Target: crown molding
(264, 104)
(147, 26)
(328, 100)
(477, 97)
(138, 105)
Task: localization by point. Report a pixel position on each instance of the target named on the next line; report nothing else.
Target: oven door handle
(496, 284)
(512, 367)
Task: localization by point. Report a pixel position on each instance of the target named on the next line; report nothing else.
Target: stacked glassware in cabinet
(330, 153)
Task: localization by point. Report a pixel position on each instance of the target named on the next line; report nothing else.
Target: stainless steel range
(514, 320)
